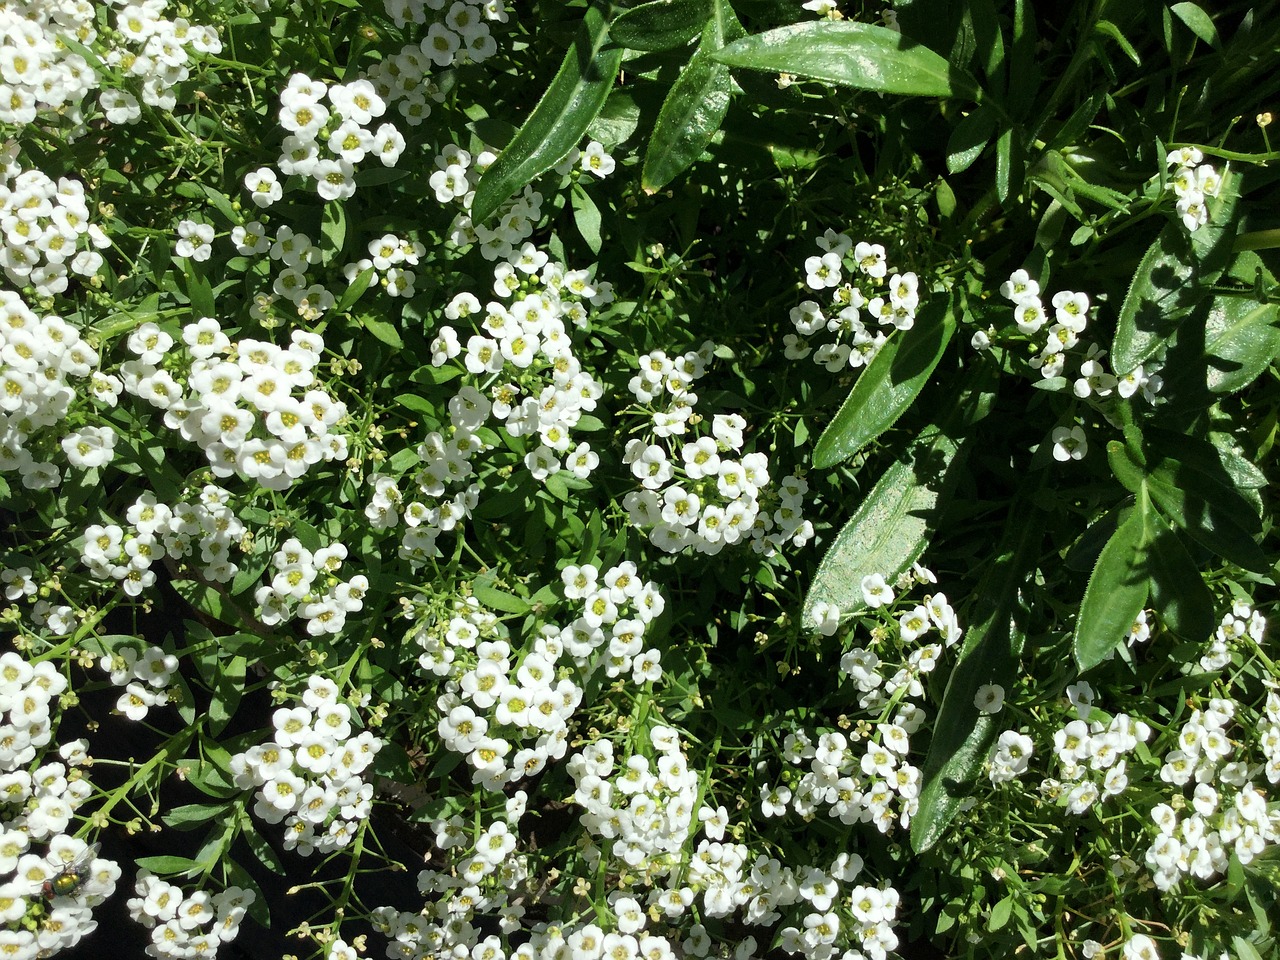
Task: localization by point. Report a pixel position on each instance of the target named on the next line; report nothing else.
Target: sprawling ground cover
(688, 478)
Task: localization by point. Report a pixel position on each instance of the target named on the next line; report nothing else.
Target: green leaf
(693, 110)
(1010, 167)
(888, 385)
(558, 122)
(970, 138)
(1242, 337)
(850, 54)
(660, 24)
(166, 866)
(1000, 914)
(1160, 296)
(963, 735)
(1178, 592)
(1209, 508)
(1198, 22)
(586, 217)
(228, 687)
(191, 815)
(355, 290)
(487, 593)
(1109, 29)
(1117, 590)
(384, 331)
(891, 527)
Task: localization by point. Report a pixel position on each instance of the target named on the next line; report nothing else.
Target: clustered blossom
(43, 366)
(453, 183)
(390, 258)
(40, 798)
(1092, 756)
(1193, 182)
(865, 777)
(325, 143)
(461, 36)
(1228, 813)
(892, 304)
(521, 372)
(145, 676)
(1242, 621)
(203, 524)
(306, 585)
(308, 775)
(42, 76)
(296, 253)
(253, 407)
(700, 491)
(46, 227)
(193, 925)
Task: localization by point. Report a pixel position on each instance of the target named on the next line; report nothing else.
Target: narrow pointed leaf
(694, 108)
(888, 385)
(1211, 511)
(560, 119)
(660, 24)
(1198, 22)
(969, 139)
(850, 54)
(891, 528)
(963, 736)
(1117, 590)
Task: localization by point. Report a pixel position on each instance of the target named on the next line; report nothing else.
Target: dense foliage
(688, 478)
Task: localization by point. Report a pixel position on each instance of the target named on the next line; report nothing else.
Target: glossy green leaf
(384, 331)
(1159, 297)
(485, 590)
(560, 119)
(1213, 243)
(1024, 61)
(586, 217)
(850, 54)
(1178, 592)
(1009, 165)
(660, 24)
(1198, 22)
(889, 384)
(694, 108)
(1209, 508)
(963, 735)
(970, 138)
(1242, 337)
(1117, 590)
(890, 529)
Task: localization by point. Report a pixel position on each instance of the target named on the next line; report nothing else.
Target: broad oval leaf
(1198, 22)
(850, 54)
(1211, 510)
(891, 527)
(660, 24)
(963, 736)
(1117, 590)
(1161, 294)
(888, 385)
(1178, 592)
(560, 119)
(1242, 337)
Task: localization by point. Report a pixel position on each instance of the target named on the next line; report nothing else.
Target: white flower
(1069, 443)
(989, 698)
(596, 161)
(195, 240)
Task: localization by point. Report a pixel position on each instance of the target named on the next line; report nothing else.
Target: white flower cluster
(41, 75)
(495, 706)
(325, 143)
(1217, 825)
(1010, 757)
(47, 233)
(854, 345)
(901, 625)
(295, 251)
(525, 376)
(461, 36)
(1242, 621)
(156, 530)
(305, 584)
(1193, 182)
(182, 926)
(308, 775)
(37, 919)
(237, 401)
(709, 495)
(390, 258)
(510, 231)
(145, 677)
(1092, 755)
(41, 360)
